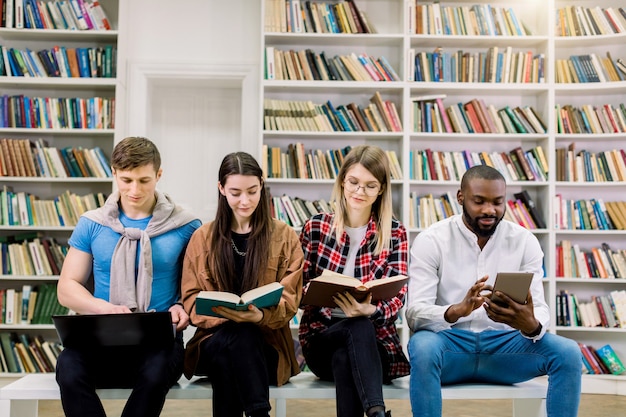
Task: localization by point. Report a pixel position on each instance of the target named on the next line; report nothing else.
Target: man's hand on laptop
(179, 317)
(104, 307)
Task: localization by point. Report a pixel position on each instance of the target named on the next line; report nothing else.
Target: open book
(322, 289)
(265, 296)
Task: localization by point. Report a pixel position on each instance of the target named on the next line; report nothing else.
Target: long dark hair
(221, 262)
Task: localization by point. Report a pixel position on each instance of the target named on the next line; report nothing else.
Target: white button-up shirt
(446, 261)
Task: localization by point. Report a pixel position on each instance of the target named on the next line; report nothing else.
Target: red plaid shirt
(322, 250)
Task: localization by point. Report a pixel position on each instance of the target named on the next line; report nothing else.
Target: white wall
(193, 121)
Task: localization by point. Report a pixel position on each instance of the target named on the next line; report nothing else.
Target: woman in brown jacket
(242, 352)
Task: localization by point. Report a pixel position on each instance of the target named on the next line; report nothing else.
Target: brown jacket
(284, 266)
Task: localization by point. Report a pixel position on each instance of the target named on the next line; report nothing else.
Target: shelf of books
(536, 91)
(58, 77)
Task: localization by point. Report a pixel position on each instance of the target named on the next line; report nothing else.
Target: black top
(241, 243)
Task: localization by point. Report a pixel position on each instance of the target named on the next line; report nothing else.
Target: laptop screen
(133, 329)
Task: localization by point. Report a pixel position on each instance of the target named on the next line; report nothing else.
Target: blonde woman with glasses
(356, 344)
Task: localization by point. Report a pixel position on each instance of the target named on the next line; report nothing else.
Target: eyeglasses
(353, 186)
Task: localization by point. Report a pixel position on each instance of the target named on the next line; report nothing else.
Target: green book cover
(262, 297)
(611, 360)
(7, 350)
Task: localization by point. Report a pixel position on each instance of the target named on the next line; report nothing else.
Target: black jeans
(149, 372)
(241, 366)
(348, 353)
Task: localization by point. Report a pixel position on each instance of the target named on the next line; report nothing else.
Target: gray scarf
(124, 290)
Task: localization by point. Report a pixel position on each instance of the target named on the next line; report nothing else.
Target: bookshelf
(396, 39)
(95, 130)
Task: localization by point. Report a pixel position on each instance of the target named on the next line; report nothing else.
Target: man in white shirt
(460, 335)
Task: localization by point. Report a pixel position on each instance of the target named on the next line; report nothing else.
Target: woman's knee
(361, 329)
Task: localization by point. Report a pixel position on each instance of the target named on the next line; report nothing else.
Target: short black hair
(484, 172)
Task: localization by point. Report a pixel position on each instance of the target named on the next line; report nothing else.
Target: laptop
(133, 329)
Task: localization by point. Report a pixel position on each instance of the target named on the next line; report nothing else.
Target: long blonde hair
(375, 160)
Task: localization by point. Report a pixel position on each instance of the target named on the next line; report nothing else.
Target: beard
(474, 225)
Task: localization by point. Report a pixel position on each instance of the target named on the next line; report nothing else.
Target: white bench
(20, 398)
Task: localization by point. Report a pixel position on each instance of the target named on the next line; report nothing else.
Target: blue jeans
(492, 356)
(149, 372)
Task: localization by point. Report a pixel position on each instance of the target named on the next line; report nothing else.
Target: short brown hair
(133, 152)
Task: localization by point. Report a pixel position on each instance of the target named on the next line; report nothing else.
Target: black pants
(348, 353)
(149, 372)
(241, 367)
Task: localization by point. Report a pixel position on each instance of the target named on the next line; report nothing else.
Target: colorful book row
(59, 62)
(298, 162)
(295, 211)
(427, 210)
(430, 115)
(601, 361)
(24, 209)
(23, 353)
(30, 305)
(585, 166)
(493, 66)
(600, 310)
(589, 68)
(515, 165)
(588, 118)
(57, 112)
(594, 214)
(297, 16)
(476, 20)
(310, 66)
(590, 21)
(56, 14)
(37, 256)
(598, 262)
(23, 158)
(305, 116)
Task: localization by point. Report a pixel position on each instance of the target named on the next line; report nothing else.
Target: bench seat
(20, 398)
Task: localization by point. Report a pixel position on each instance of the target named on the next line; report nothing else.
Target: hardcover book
(262, 297)
(611, 360)
(524, 196)
(322, 289)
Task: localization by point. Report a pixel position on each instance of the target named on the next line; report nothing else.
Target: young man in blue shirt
(133, 246)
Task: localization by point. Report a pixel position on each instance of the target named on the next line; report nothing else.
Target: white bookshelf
(393, 40)
(49, 188)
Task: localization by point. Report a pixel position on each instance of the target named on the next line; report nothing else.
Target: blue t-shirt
(167, 256)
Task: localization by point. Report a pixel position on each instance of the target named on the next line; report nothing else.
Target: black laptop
(133, 329)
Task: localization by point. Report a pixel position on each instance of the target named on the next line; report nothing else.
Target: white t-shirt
(356, 236)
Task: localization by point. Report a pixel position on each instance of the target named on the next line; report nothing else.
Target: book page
(220, 296)
(250, 296)
(384, 281)
(339, 279)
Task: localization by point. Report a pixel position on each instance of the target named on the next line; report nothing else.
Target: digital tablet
(513, 284)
